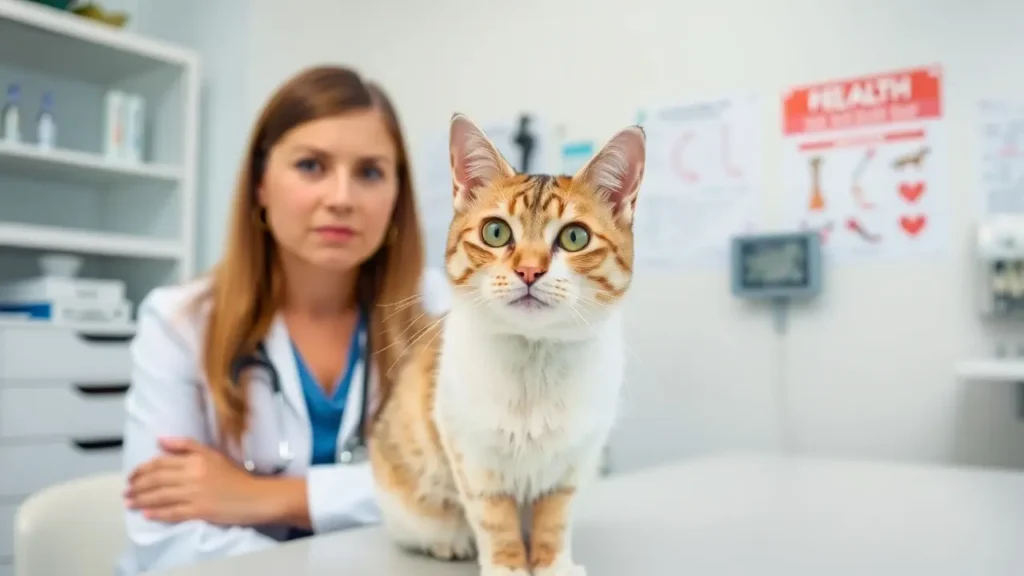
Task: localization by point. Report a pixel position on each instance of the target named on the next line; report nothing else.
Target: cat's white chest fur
(530, 412)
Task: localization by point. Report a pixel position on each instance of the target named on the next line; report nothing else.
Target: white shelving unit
(131, 221)
(62, 387)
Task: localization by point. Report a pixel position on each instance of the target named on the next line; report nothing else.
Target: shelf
(13, 321)
(61, 43)
(134, 221)
(991, 370)
(87, 242)
(78, 167)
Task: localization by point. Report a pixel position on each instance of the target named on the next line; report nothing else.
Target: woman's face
(329, 189)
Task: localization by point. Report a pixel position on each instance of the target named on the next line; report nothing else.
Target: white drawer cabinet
(61, 409)
(37, 465)
(30, 351)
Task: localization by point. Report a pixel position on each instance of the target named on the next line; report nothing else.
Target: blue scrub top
(325, 413)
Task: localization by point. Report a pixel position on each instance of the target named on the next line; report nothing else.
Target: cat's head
(539, 255)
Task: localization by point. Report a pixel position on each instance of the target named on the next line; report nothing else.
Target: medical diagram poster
(1002, 157)
(864, 163)
(702, 181)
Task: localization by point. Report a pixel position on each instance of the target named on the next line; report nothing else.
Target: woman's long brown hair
(247, 288)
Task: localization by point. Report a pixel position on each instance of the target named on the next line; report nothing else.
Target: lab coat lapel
(354, 402)
(279, 348)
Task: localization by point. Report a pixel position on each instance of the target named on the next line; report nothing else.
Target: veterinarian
(253, 386)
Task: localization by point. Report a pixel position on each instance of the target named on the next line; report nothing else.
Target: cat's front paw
(456, 550)
(561, 569)
(503, 571)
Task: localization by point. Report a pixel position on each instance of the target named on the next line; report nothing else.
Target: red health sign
(900, 96)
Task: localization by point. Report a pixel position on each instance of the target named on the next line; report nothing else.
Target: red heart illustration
(913, 225)
(911, 191)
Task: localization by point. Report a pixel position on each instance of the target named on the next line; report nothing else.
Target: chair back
(76, 527)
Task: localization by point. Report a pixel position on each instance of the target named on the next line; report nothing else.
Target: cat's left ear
(616, 171)
(475, 161)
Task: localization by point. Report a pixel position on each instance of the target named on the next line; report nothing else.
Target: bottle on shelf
(10, 121)
(113, 141)
(46, 126)
(134, 127)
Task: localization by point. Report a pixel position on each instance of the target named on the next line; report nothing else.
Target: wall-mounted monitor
(784, 265)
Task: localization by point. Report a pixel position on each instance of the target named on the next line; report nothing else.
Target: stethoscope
(352, 451)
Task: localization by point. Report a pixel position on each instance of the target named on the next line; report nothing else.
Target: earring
(259, 216)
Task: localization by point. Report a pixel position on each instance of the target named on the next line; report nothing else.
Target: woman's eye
(371, 173)
(309, 165)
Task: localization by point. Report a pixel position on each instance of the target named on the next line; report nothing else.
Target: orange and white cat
(505, 405)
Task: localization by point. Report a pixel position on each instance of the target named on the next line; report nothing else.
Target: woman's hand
(191, 481)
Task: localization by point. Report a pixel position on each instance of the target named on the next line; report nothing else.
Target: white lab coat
(169, 397)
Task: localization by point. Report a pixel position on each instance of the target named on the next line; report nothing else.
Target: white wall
(219, 31)
(707, 365)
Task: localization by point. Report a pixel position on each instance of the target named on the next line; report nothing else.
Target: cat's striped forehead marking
(537, 199)
(535, 193)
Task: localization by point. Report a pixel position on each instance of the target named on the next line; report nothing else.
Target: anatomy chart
(701, 182)
(1002, 157)
(865, 163)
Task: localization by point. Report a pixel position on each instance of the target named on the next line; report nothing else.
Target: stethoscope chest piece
(353, 452)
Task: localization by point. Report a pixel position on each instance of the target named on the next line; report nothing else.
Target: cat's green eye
(573, 238)
(496, 233)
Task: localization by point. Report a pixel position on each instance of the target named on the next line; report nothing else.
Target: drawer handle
(106, 338)
(97, 444)
(102, 389)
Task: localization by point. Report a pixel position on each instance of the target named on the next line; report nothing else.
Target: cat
(505, 404)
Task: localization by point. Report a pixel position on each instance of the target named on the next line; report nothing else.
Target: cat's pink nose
(530, 274)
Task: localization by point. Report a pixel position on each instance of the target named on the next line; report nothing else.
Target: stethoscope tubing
(260, 360)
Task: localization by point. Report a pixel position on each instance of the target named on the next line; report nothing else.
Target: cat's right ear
(616, 171)
(475, 161)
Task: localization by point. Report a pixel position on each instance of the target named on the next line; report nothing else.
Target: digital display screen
(783, 265)
(775, 262)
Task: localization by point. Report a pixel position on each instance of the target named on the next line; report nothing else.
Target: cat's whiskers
(416, 338)
(553, 294)
(608, 293)
(402, 307)
(591, 301)
(404, 330)
(408, 299)
(578, 314)
(629, 349)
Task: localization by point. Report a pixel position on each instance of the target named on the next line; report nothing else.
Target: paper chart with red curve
(864, 162)
(1002, 157)
(701, 182)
